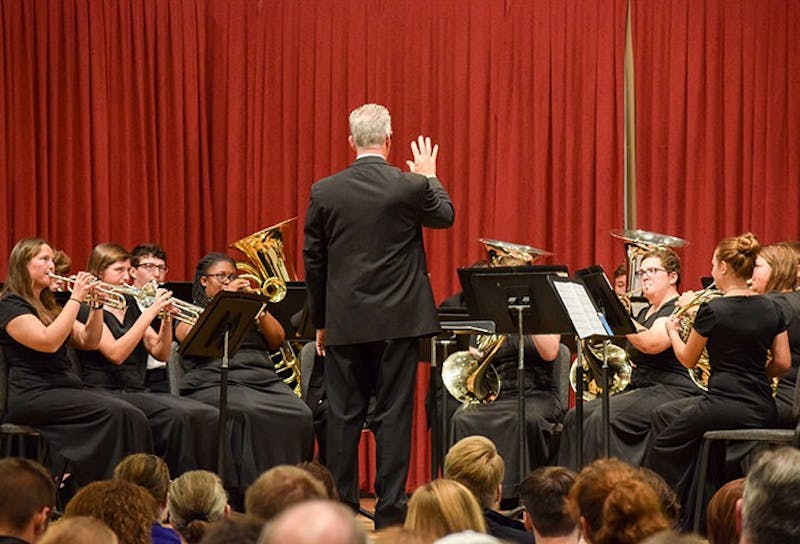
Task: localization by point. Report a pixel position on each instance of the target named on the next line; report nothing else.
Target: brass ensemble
(268, 269)
(471, 379)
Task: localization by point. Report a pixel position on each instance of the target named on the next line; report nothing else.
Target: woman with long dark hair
(92, 431)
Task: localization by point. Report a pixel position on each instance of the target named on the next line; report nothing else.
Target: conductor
(370, 299)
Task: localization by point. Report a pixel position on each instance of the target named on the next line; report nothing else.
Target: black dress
(269, 425)
(89, 429)
(184, 431)
(656, 379)
(498, 420)
(740, 330)
(784, 398)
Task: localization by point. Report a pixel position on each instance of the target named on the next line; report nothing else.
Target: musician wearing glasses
(656, 378)
(149, 265)
(738, 329)
(91, 430)
(184, 431)
(269, 424)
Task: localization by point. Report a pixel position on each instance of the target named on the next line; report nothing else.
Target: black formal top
(506, 529)
(790, 303)
(538, 372)
(740, 330)
(364, 256)
(656, 368)
(28, 369)
(100, 372)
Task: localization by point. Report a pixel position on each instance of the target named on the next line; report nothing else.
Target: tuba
(471, 379)
(268, 269)
(590, 357)
(505, 253)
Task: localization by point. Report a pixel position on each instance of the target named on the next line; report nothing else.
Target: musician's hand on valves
(686, 298)
(236, 285)
(424, 162)
(475, 352)
(671, 324)
(83, 286)
(163, 304)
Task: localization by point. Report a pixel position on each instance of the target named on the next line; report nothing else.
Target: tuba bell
(471, 379)
(590, 357)
(505, 253)
(268, 269)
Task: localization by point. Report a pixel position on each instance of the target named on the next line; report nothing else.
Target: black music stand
(596, 313)
(219, 332)
(520, 301)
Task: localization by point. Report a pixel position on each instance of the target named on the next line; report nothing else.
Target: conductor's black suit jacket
(364, 258)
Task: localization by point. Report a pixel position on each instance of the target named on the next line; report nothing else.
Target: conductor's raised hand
(424, 157)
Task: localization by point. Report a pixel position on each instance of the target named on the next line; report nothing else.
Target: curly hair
(124, 506)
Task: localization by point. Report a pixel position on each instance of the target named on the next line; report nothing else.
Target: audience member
(669, 536)
(280, 487)
(613, 505)
(27, 494)
(544, 495)
(474, 462)
(321, 473)
(315, 522)
(721, 514)
(768, 511)
(150, 472)
(442, 507)
(79, 530)
(234, 530)
(124, 506)
(397, 534)
(196, 498)
(669, 499)
(469, 537)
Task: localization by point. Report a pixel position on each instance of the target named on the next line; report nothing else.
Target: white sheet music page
(580, 309)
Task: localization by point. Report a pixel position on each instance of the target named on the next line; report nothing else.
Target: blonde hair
(196, 498)
(442, 507)
(104, 255)
(78, 530)
(19, 279)
(739, 253)
(474, 462)
(783, 261)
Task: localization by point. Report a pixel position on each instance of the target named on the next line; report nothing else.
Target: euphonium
(590, 357)
(268, 269)
(267, 265)
(685, 315)
(472, 379)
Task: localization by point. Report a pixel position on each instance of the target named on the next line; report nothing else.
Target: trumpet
(185, 312)
(111, 295)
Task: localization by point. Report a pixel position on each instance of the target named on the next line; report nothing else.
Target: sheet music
(580, 309)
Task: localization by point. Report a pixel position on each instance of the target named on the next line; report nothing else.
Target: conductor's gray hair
(370, 125)
(771, 499)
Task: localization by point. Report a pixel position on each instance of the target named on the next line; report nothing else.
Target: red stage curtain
(195, 122)
(718, 122)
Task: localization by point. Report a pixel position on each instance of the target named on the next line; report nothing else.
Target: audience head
(544, 495)
(768, 510)
(671, 537)
(79, 530)
(721, 513)
(442, 507)
(150, 472)
(474, 462)
(670, 262)
(469, 537)
(61, 264)
(279, 488)
(110, 263)
(613, 505)
(208, 276)
(736, 256)
(775, 269)
(397, 534)
(370, 126)
(670, 502)
(148, 263)
(323, 475)
(237, 529)
(196, 498)
(124, 506)
(30, 262)
(27, 494)
(314, 522)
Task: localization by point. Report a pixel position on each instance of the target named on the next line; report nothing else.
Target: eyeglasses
(650, 272)
(222, 277)
(152, 267)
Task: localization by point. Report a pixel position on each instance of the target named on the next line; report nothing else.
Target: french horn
(685, 315)
(472, 379)
(590, 357)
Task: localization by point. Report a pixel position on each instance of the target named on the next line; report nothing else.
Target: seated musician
(657, 376)
(271, 425)
(184, 431)
(93, 431)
